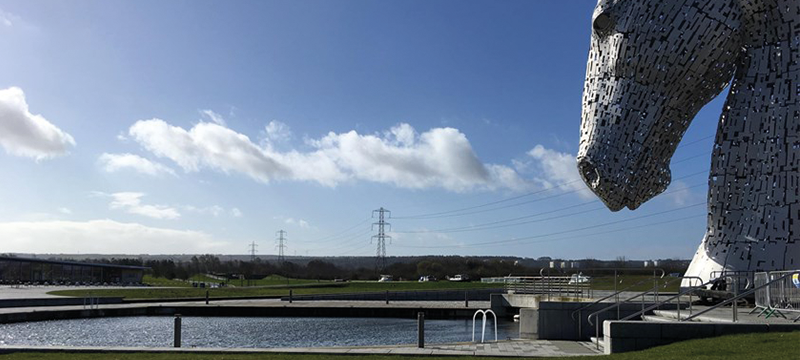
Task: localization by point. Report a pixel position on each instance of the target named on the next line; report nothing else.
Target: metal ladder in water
(483, 324)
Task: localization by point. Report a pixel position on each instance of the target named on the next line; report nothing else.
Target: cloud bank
(440, 157)
(119, 162)
(29, 135)
(104, 236)
(131, 202)
(553, 169)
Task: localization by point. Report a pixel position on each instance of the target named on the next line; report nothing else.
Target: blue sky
(202, 126)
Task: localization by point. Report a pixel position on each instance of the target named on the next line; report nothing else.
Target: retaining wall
(429, 295)
(559, 320)
(624, 336)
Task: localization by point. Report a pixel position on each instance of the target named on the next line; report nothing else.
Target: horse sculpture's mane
(652, 66)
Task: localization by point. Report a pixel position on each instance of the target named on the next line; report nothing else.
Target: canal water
(246, 332)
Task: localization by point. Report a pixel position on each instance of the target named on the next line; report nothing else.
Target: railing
(614, 295)
(686, 291)
(785, 275)
(548, 285)
(643, 295)
(761, 297)
(736, 274)
(563, 285)
(776, 298)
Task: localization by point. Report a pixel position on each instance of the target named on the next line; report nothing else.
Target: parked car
(385, 278)
(579, 278)
(459, 277)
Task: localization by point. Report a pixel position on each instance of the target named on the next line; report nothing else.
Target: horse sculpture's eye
(603, 24)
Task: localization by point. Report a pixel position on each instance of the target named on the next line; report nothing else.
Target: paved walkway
(508, 348)
(725, 315)
(41, 292)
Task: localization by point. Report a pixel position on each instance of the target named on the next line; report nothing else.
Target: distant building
(15, 270)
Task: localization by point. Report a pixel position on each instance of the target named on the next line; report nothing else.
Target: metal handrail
(688, 290)
(618, 303)
(746, 274)
(737, 297)
(609, 296)
(616, 293)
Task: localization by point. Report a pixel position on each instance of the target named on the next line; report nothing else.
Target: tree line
(436, 266)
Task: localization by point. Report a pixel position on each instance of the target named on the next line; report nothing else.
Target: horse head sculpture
(646, 79)
(652, 66)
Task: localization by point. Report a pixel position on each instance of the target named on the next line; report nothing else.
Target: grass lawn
(623, 281)
(154, 281)
(733, 347)
(302, 287)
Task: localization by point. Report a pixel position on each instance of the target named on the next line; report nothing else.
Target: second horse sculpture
(652, 65)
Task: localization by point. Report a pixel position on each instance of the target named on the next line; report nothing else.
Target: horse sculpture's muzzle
(602, 184)
(620, 188)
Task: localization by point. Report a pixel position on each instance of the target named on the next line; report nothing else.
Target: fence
(780, 296)
(548, 285)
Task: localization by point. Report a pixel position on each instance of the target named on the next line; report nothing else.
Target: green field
(771, 346)
(301, 287)
(279, 286)
(154, 281)
(623, 281)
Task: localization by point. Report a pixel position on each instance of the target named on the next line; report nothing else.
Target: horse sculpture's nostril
(589, 174)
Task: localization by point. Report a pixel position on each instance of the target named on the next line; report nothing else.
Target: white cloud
(65, 211)
(117, 162)
(8, 19)
(104, 236)
(551, 168)
(277, 132)
(680, 194)
(131, 202)
(235, 212)
(440, 157)
(214, 117)
(214, 210)
(26, 134)
(299, 222)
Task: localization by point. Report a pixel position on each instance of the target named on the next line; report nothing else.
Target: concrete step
(601, 342)
(672, 315)
(656, 318)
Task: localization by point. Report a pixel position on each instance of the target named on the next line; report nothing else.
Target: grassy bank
(307, 288)
(639, 282)
(733, 347)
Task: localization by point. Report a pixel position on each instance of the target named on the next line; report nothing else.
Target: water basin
(244, 332)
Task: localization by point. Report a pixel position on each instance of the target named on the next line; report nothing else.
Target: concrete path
(725, 315)
(508, 348)
(41, 292)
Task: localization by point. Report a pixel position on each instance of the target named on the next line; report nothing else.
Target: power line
(515, 204)
(649, 225)
(694, 141)
(495, 224)
(691, 157)
(353, 238)
(340, 233)
(437, 214)
(521, 239)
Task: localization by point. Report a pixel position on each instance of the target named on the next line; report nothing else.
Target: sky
(192, 127)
